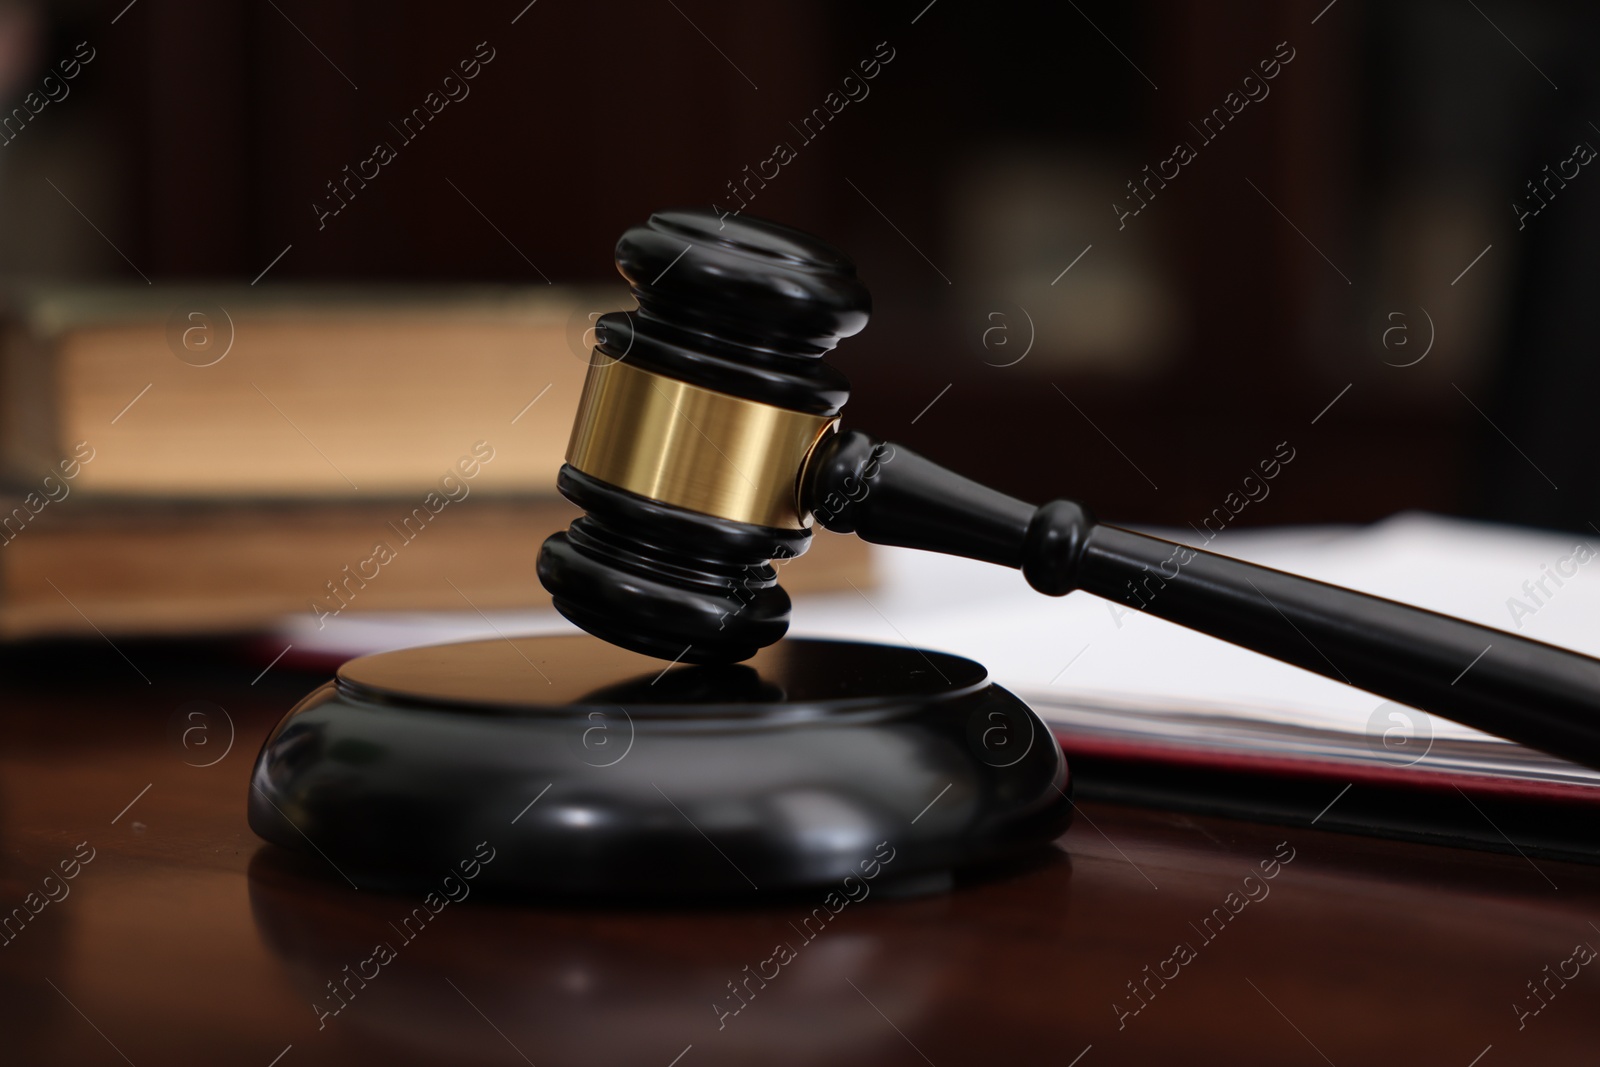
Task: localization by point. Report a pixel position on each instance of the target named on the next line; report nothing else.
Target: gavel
(707, 444)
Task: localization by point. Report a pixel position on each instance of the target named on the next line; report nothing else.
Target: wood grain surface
(187, 940)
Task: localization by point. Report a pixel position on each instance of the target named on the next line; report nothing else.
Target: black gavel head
(700, 410)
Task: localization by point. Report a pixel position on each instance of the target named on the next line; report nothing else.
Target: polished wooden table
(186, 940)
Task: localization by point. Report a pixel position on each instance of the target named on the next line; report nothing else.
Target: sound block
(585, 769)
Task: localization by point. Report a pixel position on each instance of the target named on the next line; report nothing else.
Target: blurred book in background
(291, 392)
(186, 460)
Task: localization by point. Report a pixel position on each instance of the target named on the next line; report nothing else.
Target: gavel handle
(1527, 691)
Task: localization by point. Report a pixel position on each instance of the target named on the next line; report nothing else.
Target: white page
(1027, 641)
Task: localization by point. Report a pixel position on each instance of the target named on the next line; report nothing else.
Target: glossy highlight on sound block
(591, 771)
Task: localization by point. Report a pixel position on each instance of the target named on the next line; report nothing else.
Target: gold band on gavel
(694, 448)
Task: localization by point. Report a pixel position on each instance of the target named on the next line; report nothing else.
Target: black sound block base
(565, 766)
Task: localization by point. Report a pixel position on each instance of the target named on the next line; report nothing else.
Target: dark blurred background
(1342, 268)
